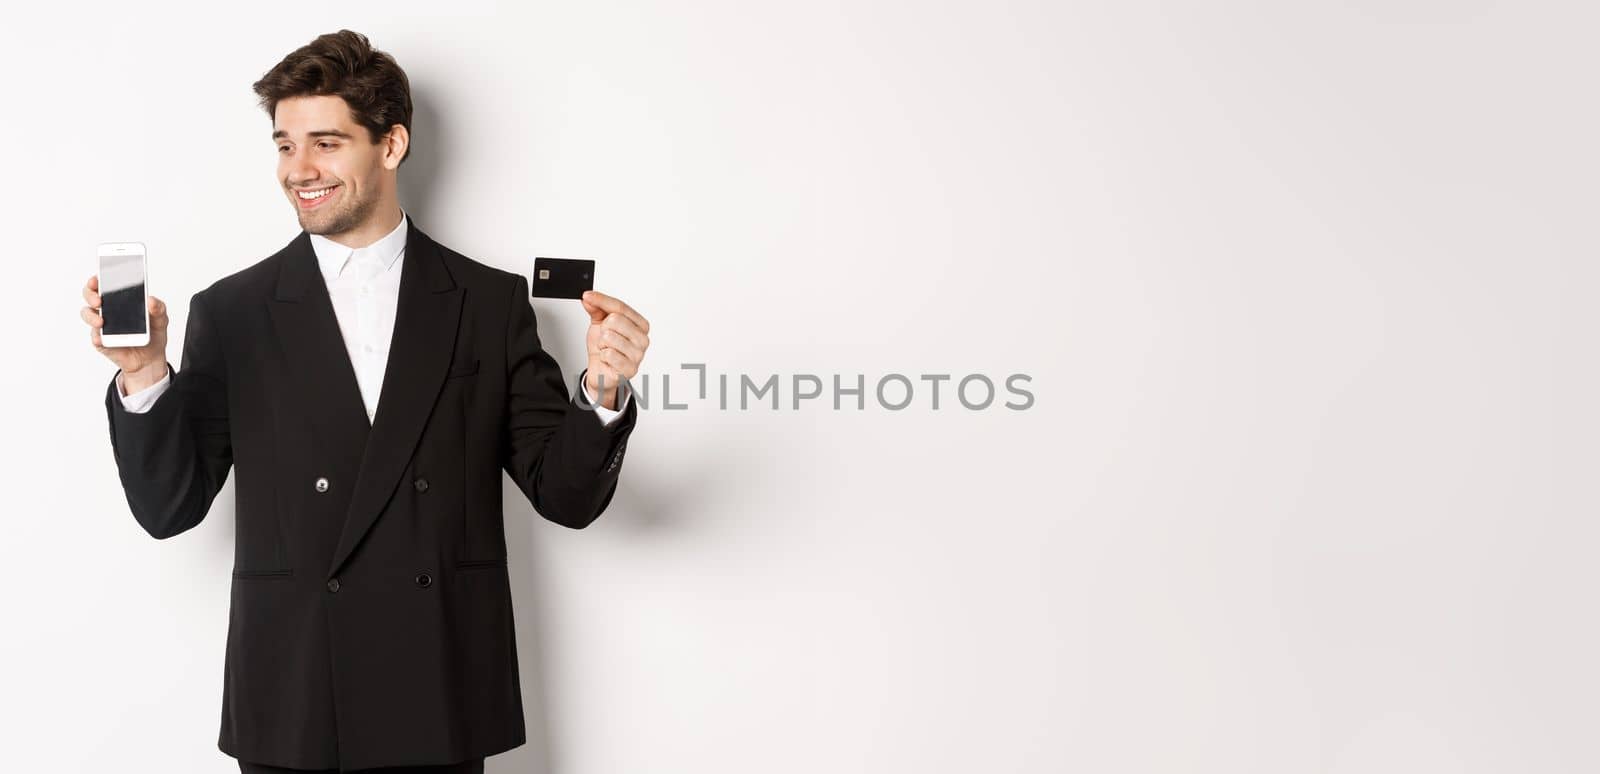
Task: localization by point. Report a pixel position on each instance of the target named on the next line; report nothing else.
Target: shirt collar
(331, 256)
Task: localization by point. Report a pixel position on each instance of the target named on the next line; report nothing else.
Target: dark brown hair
(345, 65)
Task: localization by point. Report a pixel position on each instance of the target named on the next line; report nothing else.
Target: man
(368, 384)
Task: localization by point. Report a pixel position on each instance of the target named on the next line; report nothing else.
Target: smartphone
(123, 289)
(562, 277)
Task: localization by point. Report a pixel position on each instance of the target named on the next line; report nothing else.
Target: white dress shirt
(364, 285)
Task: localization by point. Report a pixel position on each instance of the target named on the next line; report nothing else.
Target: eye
(327, 144)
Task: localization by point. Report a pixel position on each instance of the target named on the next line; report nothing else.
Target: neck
(377, 227)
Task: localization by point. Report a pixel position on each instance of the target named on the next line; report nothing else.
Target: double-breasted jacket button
(322, 485)
(424, 580)
(421, 484)
(333, 585)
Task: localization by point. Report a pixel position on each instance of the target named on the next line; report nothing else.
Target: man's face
(321, 149)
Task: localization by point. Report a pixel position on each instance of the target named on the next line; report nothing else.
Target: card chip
(544, 274)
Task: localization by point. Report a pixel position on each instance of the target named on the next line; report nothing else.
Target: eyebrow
(280, 134)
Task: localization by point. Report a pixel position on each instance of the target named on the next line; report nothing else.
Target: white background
(1305, 291)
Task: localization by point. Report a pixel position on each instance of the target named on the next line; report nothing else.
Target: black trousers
(465, 767)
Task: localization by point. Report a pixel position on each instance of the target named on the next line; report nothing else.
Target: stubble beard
(351, 214)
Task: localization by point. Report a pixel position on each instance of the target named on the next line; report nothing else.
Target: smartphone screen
(122, 293)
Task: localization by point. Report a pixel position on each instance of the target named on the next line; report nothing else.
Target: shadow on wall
(422, 171)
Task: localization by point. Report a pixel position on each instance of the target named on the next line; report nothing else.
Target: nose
(298, 169)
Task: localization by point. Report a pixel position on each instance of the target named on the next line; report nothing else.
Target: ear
(396, 141)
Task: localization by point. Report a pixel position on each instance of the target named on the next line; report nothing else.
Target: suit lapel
(425, 323)
(320, 372)
(426, 318)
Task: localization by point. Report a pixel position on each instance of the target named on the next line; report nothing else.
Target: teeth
(315, 194)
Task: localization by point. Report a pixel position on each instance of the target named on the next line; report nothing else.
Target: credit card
(561, 277)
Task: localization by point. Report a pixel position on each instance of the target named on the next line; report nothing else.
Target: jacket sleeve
(174, 457)
(560, 456)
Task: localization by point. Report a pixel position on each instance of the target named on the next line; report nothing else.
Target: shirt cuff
(141, 401)
(591, 402)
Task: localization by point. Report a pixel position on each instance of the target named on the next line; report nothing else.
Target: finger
(91, 294)
(619, 361)
(610, 340)
(613, 304)
(91, 317)
(625, 366)
(622, 327)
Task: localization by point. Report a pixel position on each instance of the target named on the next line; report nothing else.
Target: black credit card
(562, 277)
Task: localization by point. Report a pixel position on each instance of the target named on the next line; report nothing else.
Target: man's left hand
(618, 337)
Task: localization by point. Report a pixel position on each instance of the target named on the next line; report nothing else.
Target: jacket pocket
(479, 564)
(463, 369)
(262, 574)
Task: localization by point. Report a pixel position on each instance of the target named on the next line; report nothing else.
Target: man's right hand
(141, 366)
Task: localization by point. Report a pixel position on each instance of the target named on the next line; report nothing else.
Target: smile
(309, 199)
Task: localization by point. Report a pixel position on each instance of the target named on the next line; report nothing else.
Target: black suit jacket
(370, 617)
